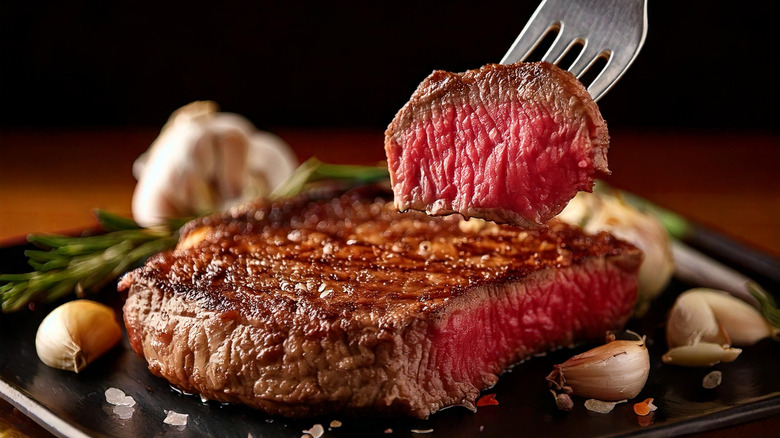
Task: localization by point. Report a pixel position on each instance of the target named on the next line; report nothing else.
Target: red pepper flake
(487, 400)
(645, 407)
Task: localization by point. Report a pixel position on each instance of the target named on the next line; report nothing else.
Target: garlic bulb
(205, 160)
(596, 212)
(76, 333)
(614, 371)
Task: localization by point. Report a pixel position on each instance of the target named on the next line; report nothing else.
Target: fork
(611, 29)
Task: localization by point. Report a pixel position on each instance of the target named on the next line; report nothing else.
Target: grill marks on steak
(309, 306)
(510, 143)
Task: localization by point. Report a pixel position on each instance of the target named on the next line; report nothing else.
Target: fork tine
(606, 79)
(585, 59)
(560, 46)
(533, 33)
(616, 65)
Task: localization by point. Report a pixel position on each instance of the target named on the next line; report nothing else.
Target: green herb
(314, 170)
(82, 264)
(768, 306)
(65, 265)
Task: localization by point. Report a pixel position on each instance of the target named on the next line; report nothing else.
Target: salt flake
(117, 397)
(175, 419)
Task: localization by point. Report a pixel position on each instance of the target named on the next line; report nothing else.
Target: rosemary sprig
(65, 265)
(82, 264)
(313, 170)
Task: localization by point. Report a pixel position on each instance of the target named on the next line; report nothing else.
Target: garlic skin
(596, 212)
(204, 161)
(614, 371)
(76, 333)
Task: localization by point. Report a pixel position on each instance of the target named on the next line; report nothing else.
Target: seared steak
(510, 143)
(310, 306)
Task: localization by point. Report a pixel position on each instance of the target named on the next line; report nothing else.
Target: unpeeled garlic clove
(691, 320)
(76, 333)
(702, 354)
(703, 323)
(615, 371)
(742, 322)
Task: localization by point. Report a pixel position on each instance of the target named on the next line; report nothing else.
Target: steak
(342, 304)
(509, 143)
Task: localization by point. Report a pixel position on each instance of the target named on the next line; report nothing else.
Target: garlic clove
(702, 354)
(742, 322)
(691, 320)
(76, 333)
(703, 323)
(615, 371)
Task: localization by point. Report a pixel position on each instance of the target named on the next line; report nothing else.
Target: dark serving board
(74, 405)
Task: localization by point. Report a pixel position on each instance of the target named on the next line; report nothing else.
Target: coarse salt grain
(422, 431)
(316, 431)
(117, 397)
(175, 419)
(712, 380)
(114, 394)
(388, 430)
(335, 423)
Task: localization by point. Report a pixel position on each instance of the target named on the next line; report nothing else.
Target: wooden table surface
(730, 182)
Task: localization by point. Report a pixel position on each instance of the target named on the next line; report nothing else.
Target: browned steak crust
(311, 306)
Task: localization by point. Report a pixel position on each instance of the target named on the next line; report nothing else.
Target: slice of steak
(309, 307)
(510, 143)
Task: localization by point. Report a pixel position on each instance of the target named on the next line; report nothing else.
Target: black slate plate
(74, 405)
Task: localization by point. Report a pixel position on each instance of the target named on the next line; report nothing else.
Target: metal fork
(611, 29)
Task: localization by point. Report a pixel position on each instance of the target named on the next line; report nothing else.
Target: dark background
(705, 65)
